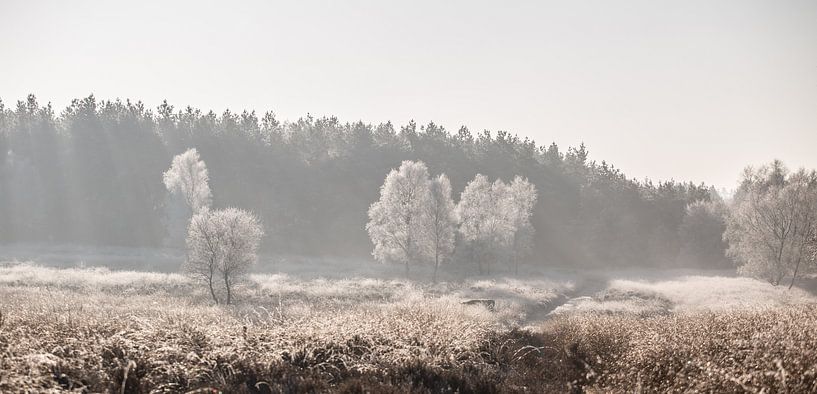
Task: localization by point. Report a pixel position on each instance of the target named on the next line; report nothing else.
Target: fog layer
(92, 174)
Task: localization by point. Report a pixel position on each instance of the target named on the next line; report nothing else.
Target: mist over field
(91, 174)
(425, 197)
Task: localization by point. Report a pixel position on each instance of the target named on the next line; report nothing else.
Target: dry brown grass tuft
(744, 351)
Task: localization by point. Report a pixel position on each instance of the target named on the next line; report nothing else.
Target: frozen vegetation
(98, 329)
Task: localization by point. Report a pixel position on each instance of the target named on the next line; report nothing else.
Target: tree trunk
(409, 254)
(793, 277)
(212, 291)
(436, 265)
(227, 286)
(779, 264)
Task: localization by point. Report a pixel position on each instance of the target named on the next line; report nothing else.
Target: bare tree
(441, 221)
(242, 235)
(221, 247)
(801, 195)
(396, 220)
(204, 252)
(771, 221)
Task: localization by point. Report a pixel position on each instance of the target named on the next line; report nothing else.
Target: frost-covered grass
(289, 293)
(688, 293)
(715, 293)
(90, 324)
(756, 350)
(102, 329)
(92, 279)
(436, 332)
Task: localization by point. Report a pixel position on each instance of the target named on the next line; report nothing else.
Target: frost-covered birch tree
(518, 204)
(441, 223)
(187, 177)
(771, 221)
(484, 227)
(204, 253)
(397, 219)
(187, 181)
(242, 235)
(221, 247)
(495, 220)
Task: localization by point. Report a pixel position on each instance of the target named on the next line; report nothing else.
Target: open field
(92, 329)
(428, 197)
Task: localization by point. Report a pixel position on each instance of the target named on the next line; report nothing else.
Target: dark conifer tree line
(92, 174)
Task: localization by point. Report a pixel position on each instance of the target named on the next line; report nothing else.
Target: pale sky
(690, 90)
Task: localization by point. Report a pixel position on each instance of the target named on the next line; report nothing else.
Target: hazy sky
(691, 90)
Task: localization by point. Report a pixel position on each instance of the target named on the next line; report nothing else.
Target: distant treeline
(93, 174)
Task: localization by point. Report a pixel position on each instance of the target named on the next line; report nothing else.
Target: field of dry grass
(763, 350)
(95, 330)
